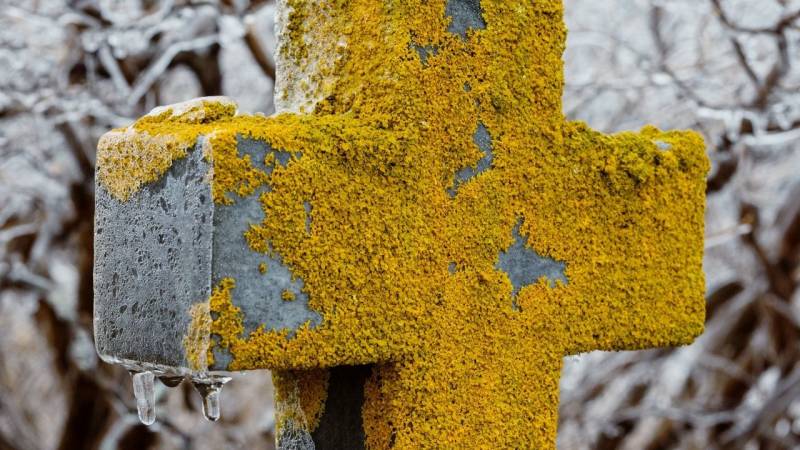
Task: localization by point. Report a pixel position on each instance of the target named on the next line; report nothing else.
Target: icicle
(144, 391)
(170, 381)
(209, 389)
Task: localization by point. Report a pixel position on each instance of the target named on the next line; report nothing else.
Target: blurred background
(72, 69)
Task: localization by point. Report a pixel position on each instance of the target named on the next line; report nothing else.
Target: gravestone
(412, 244)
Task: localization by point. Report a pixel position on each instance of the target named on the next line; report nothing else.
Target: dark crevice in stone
(341, 425)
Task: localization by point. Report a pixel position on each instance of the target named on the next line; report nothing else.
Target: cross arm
(220, 233)
(626, 214)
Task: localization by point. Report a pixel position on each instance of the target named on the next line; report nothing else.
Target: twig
(146, 80)
(259, 55)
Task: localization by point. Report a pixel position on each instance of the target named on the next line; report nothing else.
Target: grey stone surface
(293, 437)
(525, 267)
(308, 208)
(452, 268)
(466, 15)
(424, 52)
(663, 145)
(258, 295)
(483, 140)
(165, 248)
(152, 262)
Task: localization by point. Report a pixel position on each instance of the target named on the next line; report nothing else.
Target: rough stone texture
(294, 437)
(466, 15)
(437, 332)
(152, 262)
(483, 140)
(525, 267)
(341, 424)
(257, 294)
(424, 52)
(299, 87)
(163, 250)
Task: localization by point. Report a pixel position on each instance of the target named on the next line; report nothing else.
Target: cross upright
(413, 243)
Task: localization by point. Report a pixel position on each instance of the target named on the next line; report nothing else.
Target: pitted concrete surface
(152, 263)
(163, 250)
(525, 267)
(308, 208)
(466, 15)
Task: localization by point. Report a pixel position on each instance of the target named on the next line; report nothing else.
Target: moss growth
(457, 363)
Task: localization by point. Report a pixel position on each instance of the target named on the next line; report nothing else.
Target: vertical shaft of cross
(326, 64)
(305, 66)
(364, 58)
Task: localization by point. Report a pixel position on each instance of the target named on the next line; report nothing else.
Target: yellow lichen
(129, 158)
(300, 397)
(262, 268)
(457, 365)
(287, 295)
(229, 321)
(197, 341)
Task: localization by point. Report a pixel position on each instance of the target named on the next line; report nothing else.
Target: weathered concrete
(257, 294)
(152, 262)
(483, 140)
(163, 250)
(525, 267)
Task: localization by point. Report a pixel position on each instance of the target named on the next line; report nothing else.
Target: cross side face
(434, 215)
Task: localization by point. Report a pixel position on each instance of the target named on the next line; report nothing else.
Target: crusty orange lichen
(458, 366)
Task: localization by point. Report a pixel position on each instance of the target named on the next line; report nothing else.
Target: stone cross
(412, 244)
